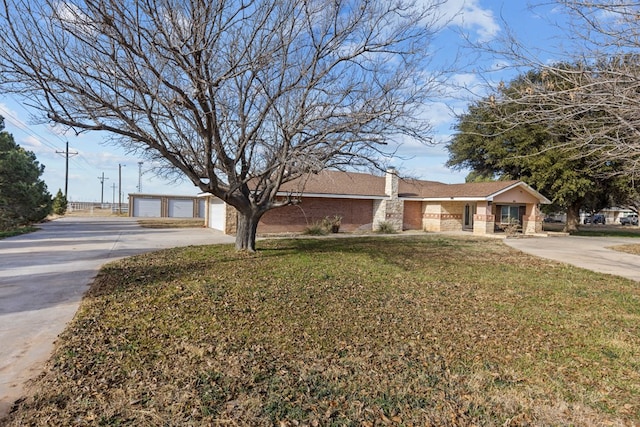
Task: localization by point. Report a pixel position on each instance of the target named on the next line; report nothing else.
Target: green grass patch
(607, 232)
(17, 231)
(596, 230)
(420, 330)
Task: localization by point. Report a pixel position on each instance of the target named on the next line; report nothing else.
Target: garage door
(216, 214)
(180, 208)
(149, 207)
(201, 206)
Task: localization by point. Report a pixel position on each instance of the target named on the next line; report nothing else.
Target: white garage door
(216, 214)
(201, 206)
(180, 208)
(149, 207)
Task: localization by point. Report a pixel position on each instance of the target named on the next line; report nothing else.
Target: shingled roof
(337, 183)
(341, 184)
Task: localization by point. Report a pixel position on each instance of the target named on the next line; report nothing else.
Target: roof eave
(543, 200)
(445, 199)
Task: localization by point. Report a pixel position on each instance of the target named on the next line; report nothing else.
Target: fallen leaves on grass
(368, 331)
(630, 249)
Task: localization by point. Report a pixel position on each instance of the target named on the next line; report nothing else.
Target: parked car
(595, 219)
(631, 219)
(551, 219)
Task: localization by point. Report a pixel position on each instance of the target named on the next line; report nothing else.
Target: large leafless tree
(590, 84)
(239, 96)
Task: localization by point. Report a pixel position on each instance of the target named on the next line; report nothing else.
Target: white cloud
(32, 143)
(469, 15)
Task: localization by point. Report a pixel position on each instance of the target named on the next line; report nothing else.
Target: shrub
(332, 223)
(318, 228)
(385, 227)
(512, 228)
(60, 203)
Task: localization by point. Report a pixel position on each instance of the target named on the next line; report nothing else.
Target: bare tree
(239, 96)
(592, 90)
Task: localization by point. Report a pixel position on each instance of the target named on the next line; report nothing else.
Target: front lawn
(421, 330)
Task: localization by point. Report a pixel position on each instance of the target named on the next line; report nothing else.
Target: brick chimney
(391, 183)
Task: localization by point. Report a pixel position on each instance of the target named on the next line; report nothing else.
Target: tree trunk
(573, 217)
(246, 230)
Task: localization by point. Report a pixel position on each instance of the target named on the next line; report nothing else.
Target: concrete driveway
(43, 276)
(591, 253)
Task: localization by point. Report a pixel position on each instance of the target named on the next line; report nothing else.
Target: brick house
(364, 200)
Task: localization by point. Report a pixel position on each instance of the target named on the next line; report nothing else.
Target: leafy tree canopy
(534, 152)
(24, 198)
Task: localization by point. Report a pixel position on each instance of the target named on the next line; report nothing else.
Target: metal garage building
(166, 206)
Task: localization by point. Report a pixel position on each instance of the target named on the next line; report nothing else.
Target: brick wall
(412, 216)
(356, 214)
(431, 216)
(443, 216)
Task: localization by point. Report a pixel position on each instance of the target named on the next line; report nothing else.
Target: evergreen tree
(534, 153)
(24, 198)
(60, 203)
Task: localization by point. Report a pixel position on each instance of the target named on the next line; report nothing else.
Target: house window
(509, 213)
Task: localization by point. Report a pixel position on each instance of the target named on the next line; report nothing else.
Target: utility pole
(66, 169)
(120, 165)
(102, 179)
(113, 199)
(140, 176)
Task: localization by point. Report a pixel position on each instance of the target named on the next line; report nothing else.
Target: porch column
(532, 220)
(483, 219)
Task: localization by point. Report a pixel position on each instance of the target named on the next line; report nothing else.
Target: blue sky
(482, 20)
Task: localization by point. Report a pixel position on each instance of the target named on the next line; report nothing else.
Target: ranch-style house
(363, 201)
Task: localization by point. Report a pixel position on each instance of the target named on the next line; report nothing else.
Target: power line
(15, 121)
(66, 171)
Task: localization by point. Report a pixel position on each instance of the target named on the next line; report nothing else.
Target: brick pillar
(483, 224)
(532, 221)
(391, 182)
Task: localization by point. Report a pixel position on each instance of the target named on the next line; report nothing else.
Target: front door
(467, 221)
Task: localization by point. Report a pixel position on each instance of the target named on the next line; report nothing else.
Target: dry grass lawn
(411, 331)
(171, 222)
(630, 249)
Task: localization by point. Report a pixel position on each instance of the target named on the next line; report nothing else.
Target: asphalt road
(43, 276)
